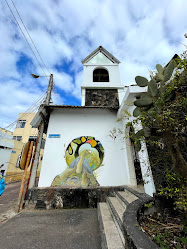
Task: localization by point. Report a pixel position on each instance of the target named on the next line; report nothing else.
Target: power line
(33, 107)
(30, 36)
(25, 37)
(28, 45)
(30, 109)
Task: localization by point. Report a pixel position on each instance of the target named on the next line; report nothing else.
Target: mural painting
(83, 155)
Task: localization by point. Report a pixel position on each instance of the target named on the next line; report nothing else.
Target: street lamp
(50, 86)
(37, 76)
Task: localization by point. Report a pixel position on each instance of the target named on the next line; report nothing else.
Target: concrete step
(126, 197)
(40, 204)
(117, 210)
(122, 200)
(138, 188)
(110, 238)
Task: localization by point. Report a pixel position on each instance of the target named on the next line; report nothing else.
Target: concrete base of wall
(58, 197)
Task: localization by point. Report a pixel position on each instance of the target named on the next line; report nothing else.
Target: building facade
(89, 145)
(6, 145)
(22, 134)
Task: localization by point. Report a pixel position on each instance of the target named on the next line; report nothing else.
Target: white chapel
(88, 145)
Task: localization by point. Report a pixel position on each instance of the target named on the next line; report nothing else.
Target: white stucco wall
(114, 80)
(113, 70)
(5, 150)
(4, 158)
(73, 123)
(127, 105)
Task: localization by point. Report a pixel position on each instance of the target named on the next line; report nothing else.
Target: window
(18, 138)
(21, 124)
(33, 138)
(100, 75)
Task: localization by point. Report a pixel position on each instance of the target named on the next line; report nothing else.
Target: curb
(135, 237)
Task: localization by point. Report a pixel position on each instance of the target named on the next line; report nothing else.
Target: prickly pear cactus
(156, 87)
(141, 81)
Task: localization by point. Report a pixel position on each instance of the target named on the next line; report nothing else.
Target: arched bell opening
(100, 75)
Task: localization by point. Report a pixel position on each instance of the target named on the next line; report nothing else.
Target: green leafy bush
(176, 188)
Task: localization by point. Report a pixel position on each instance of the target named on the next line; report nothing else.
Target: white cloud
(15, 99)
(77, 85)
(64, 81)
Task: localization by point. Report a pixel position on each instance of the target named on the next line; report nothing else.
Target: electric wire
(24, 115)
(30, 36)
(31, 109)
(25, 37)
(29, 47)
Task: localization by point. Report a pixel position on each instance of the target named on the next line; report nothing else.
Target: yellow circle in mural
(91, 148)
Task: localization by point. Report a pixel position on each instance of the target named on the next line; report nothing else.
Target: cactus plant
(154, 89)
(136, 112)
(159, 77)
(169, 70)
(145, 100)
(141, 81)
(159, 68)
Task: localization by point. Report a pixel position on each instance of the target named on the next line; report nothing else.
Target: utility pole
(37, 155)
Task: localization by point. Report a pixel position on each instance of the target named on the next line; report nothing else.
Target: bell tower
(101, 80)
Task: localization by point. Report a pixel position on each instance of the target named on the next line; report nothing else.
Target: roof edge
(102, 50)
(80, 107)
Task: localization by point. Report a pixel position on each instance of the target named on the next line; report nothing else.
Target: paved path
(9, 200)
(10, 194)
(63, 229)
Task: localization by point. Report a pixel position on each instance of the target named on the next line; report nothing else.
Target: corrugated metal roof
(80, 107)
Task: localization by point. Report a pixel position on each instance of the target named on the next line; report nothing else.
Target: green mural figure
(83, 156)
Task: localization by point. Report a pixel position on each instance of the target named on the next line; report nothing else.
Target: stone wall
(58, 198)
(101, 97)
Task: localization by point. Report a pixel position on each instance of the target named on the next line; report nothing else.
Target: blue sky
(139, 33)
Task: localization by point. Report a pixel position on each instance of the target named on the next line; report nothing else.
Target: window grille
(33, 138)
(21, 124)
(18, 138)
(100, 75)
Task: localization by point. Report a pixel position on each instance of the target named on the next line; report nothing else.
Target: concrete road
(63, 229)
(9, 196)
(9, 200)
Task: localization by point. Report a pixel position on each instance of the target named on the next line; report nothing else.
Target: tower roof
(102, 50)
